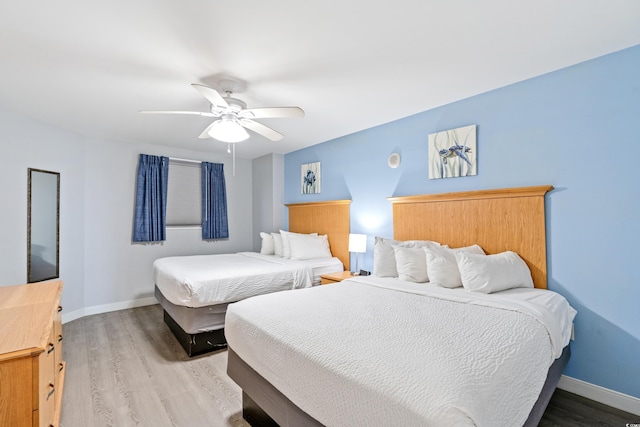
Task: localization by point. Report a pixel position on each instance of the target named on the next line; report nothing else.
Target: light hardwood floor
(125, 368)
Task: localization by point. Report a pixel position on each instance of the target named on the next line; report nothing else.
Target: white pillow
(493, 273)
(277, 244)
(384, 260)
(443, 267)
(267, 244)
(309, 246)
(286, 247)
(411, 264)
(421, 243)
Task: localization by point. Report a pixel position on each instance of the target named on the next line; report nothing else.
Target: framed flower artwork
(310, 178)
(453, 153)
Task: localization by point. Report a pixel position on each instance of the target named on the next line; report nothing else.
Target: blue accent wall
(577, 129)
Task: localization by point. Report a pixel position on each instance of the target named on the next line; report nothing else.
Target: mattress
(379, 351)
(203, 280)
(194, 320)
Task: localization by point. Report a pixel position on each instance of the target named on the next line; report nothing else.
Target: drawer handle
(53, 389)
(59, 338)
(59, 308)
(61, 367)
(51, 348)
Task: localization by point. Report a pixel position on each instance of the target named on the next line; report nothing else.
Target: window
(184, 198)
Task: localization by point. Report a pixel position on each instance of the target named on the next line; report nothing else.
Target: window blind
(184, 198)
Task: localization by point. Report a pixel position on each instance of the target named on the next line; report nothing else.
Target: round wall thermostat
(394, 160)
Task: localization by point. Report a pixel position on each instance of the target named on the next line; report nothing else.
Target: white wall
(99, 264)
(26, 143)
(268, 196)
(116, 269)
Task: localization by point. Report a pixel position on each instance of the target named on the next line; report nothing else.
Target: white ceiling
(89, 66)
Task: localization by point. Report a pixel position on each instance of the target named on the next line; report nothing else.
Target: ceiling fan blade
(261, 129)
(195, 113)
(205, 133)
(212, 95)
(272, 112)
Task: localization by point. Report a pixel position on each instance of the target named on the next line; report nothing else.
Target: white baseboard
(609, 397)
(106, 308)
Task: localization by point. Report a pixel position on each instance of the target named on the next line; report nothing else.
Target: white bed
(376, 351)
(194, 291)
(400, 351)
(198, 281)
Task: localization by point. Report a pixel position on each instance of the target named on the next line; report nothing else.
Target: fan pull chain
(234, 156)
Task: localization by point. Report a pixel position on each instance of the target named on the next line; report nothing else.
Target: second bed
(194, 291)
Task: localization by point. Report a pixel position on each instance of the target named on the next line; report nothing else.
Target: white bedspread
(201, 280)
(388, 352)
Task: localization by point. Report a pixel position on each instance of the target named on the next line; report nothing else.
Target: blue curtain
(151, 199)
(214, 202)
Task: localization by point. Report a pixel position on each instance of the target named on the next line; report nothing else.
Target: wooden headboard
(330, 218)
(510, 219)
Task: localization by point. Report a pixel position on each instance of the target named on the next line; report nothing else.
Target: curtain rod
(200, 161)
(185, 160)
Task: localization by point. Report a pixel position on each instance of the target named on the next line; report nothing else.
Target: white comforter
(387, 352)
(201, 280)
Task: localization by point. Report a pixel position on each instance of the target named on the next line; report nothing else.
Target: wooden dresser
(31, 367)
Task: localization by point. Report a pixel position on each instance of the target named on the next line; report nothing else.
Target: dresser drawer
(57, 336)
(46, 383)
(44, 417)
(16, 389)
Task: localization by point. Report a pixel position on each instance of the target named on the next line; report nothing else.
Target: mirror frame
(30, 216)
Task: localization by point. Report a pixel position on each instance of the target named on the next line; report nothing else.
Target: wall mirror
(43, 219)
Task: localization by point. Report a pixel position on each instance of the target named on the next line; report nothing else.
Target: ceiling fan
(233, 116)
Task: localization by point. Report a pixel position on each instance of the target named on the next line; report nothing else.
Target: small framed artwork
(453, 153)
(311, 178)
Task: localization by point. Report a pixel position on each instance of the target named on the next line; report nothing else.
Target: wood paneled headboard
(498, 220)
(328, 217)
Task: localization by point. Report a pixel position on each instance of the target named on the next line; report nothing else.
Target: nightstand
(327, 279)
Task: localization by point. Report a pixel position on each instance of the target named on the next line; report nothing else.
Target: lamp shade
(228, 131)
(357, 243)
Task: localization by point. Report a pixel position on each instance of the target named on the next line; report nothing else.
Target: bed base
(553, 376)
(264, 405)
(196, 344)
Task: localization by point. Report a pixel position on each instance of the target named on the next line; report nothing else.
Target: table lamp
(357, 244)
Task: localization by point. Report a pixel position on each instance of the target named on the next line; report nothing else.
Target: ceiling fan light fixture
(233, 116)
(226, 130)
